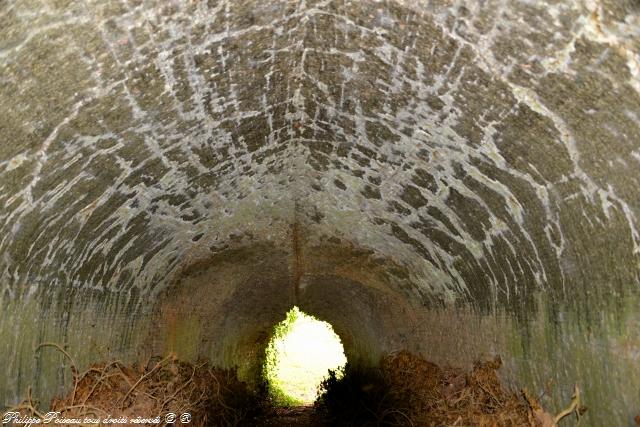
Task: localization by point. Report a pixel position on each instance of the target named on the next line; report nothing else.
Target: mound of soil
(433, 396)
(150, 391)
(409, 391)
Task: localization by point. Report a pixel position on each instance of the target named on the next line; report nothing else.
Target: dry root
(410, 391)
(213, 397)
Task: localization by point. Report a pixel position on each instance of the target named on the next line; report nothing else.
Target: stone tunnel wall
(453, 178)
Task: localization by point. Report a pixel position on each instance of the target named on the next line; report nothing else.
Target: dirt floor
(292, 417)
(405, 390)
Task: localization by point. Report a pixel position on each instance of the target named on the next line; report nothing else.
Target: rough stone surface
(456, 178)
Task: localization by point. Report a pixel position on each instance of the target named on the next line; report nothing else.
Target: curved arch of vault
(455, 179)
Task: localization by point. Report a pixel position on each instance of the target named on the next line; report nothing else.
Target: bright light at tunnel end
(298, 357)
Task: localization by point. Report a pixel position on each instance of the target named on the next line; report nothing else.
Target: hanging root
(545, 419)
(574, 406)
(73, 366)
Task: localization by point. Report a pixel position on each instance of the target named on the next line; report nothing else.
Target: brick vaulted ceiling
(489, 153)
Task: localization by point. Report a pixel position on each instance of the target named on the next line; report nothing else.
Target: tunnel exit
(299, 356)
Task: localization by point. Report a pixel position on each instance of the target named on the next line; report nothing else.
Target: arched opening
(300, 354)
